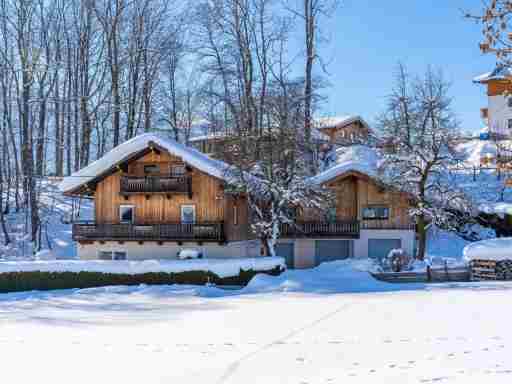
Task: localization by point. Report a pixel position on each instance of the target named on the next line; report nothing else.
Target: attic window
(375, 213)
(178, 170)
(151, 169)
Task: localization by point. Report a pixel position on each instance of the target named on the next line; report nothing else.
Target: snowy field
(328, 325)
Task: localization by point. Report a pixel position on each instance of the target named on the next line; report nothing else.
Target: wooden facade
(354, 192)
(347, 132)
(498, 87)
(161, 211)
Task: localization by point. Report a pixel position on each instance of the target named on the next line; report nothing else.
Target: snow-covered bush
(397, 260)
(189, 253)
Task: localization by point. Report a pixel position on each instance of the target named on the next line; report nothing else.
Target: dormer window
(151, 169)
(178, 170)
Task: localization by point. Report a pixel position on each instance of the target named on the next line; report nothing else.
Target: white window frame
(193, 209)
(121, 216)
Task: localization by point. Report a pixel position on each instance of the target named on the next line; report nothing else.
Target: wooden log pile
(491, 270)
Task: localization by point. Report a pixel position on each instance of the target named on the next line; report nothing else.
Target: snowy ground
(328, 325)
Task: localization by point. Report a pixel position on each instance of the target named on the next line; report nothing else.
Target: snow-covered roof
(338, 121)
(122, 152)
(473, 151)
(357, 158)
(499, 73)
(492, 249)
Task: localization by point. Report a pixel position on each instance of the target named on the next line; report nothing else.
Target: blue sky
(369, 37)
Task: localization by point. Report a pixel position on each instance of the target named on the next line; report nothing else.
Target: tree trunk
(422, 237)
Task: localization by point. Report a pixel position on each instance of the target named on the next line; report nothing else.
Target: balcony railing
(156, 184)
(348, 229)
(385, 224)
(208, 231)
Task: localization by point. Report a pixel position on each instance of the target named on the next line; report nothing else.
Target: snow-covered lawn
(328, 325)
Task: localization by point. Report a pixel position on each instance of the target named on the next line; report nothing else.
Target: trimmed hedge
(43, 281)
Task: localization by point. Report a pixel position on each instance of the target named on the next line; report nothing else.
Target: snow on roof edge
(191, 156)
(492, 249)
(334, 121)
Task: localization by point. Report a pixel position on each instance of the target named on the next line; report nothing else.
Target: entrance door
(379, 248)
(286, 250)
(331, 250)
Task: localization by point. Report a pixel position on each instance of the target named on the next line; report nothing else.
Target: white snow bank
(492, 249)
(189, 155)
(357, 158)
(221, 267)
(342, 276)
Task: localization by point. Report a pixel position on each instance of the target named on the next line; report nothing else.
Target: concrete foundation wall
(305, 249)
(152, 250)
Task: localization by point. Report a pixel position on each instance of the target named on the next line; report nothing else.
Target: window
(509, 102)
(509, 123)
(151, 169)
(375, 213)
(178, 170)
(119, 255)
(105, 255)
(126, 214)
(112, 255)
(188, 214)
(330, 215)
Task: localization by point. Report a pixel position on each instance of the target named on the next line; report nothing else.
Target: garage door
(286, 250)
(379, 248)
(330, 250)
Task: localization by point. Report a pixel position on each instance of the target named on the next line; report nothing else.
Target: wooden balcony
(315, 229)
(176, 232)
(156, 184)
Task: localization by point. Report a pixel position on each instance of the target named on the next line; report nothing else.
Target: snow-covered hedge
(493, 249)
(66, 274)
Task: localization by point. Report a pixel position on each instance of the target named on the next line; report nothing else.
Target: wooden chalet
(154, 197)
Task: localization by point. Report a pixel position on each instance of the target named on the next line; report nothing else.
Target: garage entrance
(379, 248)
(330, 250)
(286, 250)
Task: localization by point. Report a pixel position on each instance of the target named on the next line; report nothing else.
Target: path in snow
(456, 333)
